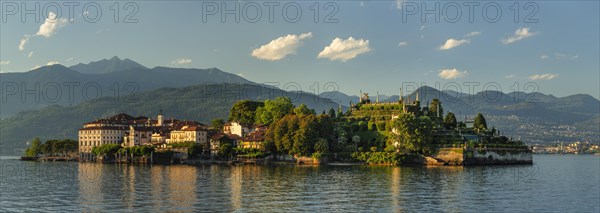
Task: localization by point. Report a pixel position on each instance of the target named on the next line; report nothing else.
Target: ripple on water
(554, 183)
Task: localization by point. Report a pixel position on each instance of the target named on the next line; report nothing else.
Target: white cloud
(546, 76)
(509, 76)
(281, 47)
(345, 50)
(52, 63)
(69, 59)
(520, 34)
(36, 66)
(241, 74)
(52, 23)
(452, 43)
(4, 62)
(399, 4)
(30, 54)
(474, 33)
(23, 42)
(451, 73)
(402, 43)
(558, 55)
(47, 29)
(181, 61)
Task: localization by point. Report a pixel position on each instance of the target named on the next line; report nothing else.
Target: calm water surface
(553, 184)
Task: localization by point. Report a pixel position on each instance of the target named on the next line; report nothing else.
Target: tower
(377, 101)
(400, 98)
(360, 96)
(160, 119)
(417, 95)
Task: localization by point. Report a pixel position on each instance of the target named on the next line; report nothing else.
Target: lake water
(552, 184)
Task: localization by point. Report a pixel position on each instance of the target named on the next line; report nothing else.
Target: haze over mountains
(204, 94)
(60, 85)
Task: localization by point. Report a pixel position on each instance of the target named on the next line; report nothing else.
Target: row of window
(101, 131)
(97, 137)
(97, 143)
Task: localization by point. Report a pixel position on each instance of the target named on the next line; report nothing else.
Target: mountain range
(204, 94)
(60, 85)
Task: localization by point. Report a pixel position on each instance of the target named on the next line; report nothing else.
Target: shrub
(106, 149)
(355, 127)
(381, 126)
(372, 126)
(388, 126)
(363, 126)
(389, 158)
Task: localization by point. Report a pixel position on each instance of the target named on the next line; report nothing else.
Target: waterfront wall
(450, 156)
(490, 156)
(297, 159)
(498, 156)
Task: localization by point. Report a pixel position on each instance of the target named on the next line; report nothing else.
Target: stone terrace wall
(498, 156)
(490, 156)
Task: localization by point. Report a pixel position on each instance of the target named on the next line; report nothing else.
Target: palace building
(129, 131)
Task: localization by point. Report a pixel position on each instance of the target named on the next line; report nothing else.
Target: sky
(317, 46)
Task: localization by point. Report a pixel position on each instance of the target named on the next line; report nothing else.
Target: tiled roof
(233, 136)
(258, 135)
(105, 128)
(193, 128)
(217, 136)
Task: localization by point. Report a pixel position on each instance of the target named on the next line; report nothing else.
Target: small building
(216, 140)
(253, 140)
(196, 133)
(237, 128)
(138, 136)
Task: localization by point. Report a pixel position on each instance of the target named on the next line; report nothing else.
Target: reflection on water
(555, 183)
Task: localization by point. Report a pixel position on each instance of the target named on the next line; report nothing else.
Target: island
(274, 131)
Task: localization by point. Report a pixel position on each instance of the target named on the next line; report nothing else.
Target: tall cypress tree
(479, 122)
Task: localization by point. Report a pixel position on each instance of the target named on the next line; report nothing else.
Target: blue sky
(370, 48)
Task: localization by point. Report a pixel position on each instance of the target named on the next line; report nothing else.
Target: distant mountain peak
(113, 64)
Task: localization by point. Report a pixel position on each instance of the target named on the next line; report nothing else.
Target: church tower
(160, 119)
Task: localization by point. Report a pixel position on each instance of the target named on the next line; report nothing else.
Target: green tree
(273, 110)
(356, 140)
(479, 122)
(270, 146)
(106, 149)
(321, 146)
(217, 123)
(331, 113)
(195, 149)
(414, 134)
(325, 127)
(297, 134)
(450, 121)
(434, 105)
(34, 149)
(302, 109)
(305, 136)
(225, 150)
(244, 111)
